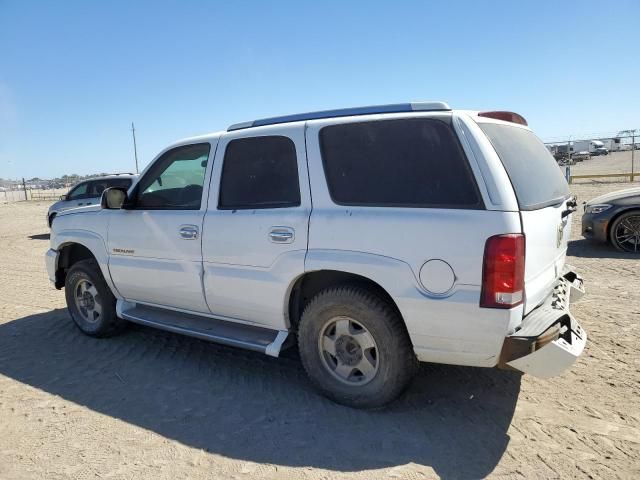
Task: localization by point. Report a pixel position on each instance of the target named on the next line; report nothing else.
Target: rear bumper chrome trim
(550, 339)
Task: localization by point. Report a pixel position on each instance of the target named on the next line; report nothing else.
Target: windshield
(536, 178)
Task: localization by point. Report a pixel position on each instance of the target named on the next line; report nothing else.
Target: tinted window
(175, 181)
(534, 173)
(260, 172)
(96, 187)
(405, 163)
(78, 192)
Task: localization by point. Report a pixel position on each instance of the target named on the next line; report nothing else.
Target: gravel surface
(149, 404)
(616, 162)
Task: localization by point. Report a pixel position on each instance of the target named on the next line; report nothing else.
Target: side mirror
(113, 198)
(63, 197)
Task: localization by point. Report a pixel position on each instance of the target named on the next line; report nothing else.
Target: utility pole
(135, 148)
(633, 149)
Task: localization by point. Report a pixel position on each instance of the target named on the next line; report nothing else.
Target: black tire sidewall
(89, 271)
(394, 353)
(614, 226)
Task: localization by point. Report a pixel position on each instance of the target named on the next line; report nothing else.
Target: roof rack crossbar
(345, 112)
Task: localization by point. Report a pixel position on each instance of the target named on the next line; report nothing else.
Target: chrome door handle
(189, 232)
(281, 235)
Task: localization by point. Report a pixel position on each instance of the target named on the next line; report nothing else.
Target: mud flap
(549, 339)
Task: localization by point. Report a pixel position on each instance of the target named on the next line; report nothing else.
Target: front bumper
(549, 339)
(51, 259)
(594, 226)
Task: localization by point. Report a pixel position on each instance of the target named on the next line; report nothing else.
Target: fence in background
(47, 195)
(10, 196)
(24, 193)
(580, 161)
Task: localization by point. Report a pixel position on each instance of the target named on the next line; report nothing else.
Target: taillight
(503, 271)
(505, 116)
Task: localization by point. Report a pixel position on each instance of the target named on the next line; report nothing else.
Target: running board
(234, 334)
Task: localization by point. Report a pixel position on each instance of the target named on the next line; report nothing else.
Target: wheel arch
(76, 245)
(70, 253)
(307, 285)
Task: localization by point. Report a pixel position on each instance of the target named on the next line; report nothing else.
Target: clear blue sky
(73, 75)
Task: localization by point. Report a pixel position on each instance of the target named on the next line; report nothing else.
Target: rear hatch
(545, 205)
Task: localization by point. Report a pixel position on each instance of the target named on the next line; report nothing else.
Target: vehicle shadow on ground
(40, 236)
(248, 406)
(590, 249)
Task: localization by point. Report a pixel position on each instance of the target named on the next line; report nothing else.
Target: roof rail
(346, 112)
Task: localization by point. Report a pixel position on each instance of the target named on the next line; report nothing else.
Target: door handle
(189, 232)
(281, 235)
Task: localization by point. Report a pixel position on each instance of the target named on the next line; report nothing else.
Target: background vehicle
(614, 218)
(375, 237)
(89, 192)
(593, 147)
(580, 156)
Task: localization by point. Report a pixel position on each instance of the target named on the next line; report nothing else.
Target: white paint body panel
(546, 236)
(441, 327)
(158, 266)
(246, 275)
(86, 226)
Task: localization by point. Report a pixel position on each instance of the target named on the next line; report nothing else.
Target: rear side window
(119, 182)
(259, 172)
(98, 186)
(536, 178)
(397, 163)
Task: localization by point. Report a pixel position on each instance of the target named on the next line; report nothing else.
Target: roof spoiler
(505, 116)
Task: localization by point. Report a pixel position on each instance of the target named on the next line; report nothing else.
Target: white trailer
(593, 147)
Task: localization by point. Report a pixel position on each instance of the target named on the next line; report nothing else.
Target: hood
(57, 205)
(610, 197)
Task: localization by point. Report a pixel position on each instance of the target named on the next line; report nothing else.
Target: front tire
(625, 232)
(90, 301)
(355, 348)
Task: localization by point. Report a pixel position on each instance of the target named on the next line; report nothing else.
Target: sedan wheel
(625, 232)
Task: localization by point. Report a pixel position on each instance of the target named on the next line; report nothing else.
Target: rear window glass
(534, 173)
(414, 162)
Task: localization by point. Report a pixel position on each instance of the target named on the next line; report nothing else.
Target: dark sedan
(614, 218)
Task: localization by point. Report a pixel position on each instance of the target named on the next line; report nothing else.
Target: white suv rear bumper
(549, 339)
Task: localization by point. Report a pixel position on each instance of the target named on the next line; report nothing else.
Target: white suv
(373, 237)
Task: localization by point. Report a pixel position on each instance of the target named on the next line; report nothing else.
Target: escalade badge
(123, 251)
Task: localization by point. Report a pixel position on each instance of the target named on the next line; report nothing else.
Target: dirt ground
(615, 162)
(153, 405)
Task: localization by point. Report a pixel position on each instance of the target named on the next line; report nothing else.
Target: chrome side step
(234, 334)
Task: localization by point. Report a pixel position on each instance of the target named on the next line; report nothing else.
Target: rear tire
(355, 348)
(625, 232)
(90, 301)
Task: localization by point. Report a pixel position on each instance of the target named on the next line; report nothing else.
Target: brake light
(505, 116)
(503, 271)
